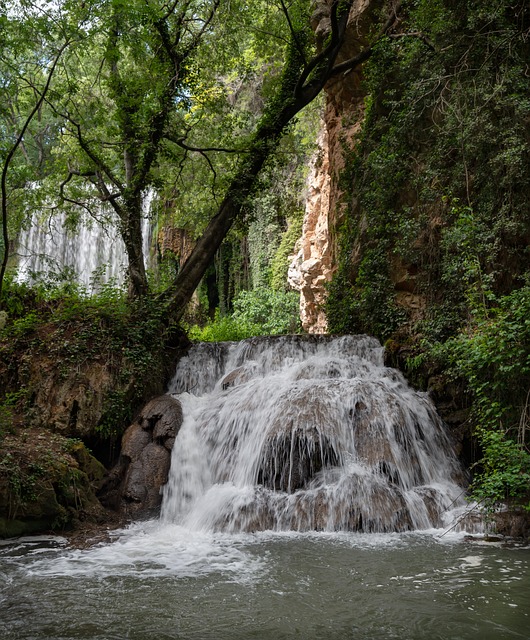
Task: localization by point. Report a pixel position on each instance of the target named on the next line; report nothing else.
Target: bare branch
(413, 34)
(180, 142)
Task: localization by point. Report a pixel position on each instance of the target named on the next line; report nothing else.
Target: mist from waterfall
(306, 433)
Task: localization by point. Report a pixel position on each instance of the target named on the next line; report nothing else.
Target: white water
(304, 434)
(94, 252)
(181, 578)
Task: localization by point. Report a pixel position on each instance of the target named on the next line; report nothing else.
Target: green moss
(280, 261)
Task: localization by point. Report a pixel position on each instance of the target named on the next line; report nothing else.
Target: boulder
(134, 485)
(297, 447)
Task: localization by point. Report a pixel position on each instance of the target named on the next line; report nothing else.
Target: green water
(169, 583)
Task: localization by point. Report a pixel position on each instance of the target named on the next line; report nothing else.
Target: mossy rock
(46, 482)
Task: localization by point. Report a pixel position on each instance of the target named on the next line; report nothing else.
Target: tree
(305, 73)
(26, 84)
(118, 110)
(131, 87)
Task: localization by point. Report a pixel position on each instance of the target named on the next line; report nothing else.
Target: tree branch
(180, 142)
(294, 34)
(10, 156)
(414, 34)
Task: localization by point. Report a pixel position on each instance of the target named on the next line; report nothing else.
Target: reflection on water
(167, 582)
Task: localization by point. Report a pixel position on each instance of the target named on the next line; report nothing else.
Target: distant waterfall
(306, 433)
(92, 251)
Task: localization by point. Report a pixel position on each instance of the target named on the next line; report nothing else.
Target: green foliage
(222, 329)
(280, 261)
(492, 356)
(256, 313)
(8, 405)
(73, 330)
(437, 182)
(505, 471)
(116, 414)
(23, 480)
(274, 312)
(143, 97)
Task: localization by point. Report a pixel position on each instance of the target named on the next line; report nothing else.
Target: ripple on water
(166, 582)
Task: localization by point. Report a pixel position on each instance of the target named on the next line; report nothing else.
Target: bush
(256, 313)
(273, 312)
(492, 356)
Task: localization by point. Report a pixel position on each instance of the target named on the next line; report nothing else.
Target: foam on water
(149, 550)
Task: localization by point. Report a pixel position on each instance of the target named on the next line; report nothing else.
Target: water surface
(166, 582)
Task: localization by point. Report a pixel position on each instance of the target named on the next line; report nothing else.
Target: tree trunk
(132, 237)
(202, 255)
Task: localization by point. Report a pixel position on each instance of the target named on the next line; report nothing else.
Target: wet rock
(298, 447)
(46, 482)
(514, 523)
(134, 441)
(235, 377)
(162, 416)
(145, 477)
(293, 457)
(134, 485)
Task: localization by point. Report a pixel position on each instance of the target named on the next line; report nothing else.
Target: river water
(165, 582)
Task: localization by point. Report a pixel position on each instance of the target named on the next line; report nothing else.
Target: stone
(134, 440)
(235, 377)
(297, 447)
(134, 485)
(310, 269)
(144, 480)
(163, 413)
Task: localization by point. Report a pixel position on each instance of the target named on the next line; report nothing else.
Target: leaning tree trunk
(206, 247)
(302, 81)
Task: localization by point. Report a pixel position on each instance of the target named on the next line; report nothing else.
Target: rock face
(296, 448)
(73, 405)
(313, 265)
(134, 485)
(175, 240)
(47, 482)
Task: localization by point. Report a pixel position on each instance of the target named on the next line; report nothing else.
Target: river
(165, 582)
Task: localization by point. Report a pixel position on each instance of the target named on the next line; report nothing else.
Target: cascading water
(283, 434)
(306, 433)
(93, 251)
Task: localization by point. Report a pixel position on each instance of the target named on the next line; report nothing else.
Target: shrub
(256, 313)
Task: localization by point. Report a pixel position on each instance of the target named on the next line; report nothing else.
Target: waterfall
(93, 252)
(306, 433)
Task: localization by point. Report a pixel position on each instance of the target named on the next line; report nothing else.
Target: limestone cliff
(313, 265)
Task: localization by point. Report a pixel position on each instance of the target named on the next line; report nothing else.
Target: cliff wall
(313, 265)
